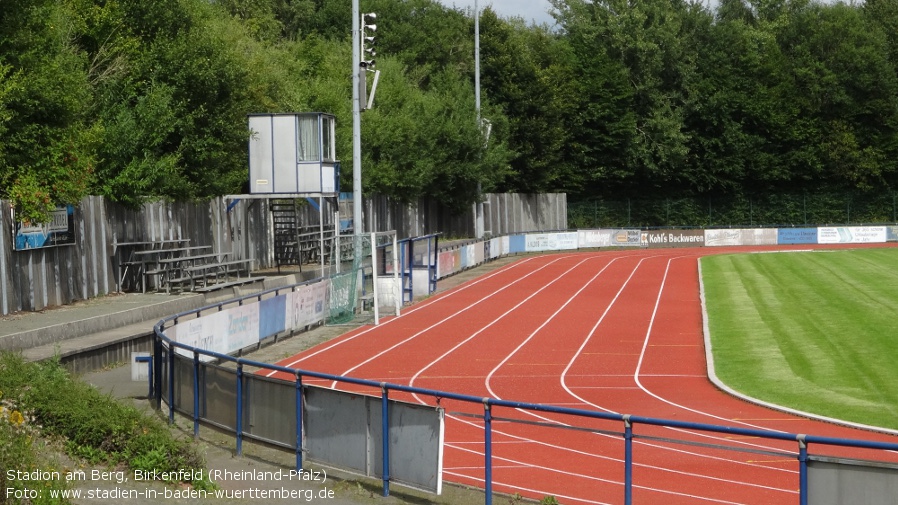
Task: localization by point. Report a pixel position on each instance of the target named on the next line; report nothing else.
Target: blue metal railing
(488, 404)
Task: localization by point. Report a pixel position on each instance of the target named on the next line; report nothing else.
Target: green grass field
(815, 331)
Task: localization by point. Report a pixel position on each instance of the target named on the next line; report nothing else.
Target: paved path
(68, 329)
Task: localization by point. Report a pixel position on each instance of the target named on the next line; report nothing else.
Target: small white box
(139, 371)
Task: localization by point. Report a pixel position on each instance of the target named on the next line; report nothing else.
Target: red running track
(609, 331)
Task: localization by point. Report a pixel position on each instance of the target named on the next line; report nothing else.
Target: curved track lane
(611, 331)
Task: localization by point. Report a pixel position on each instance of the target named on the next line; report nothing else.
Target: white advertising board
(851, 234)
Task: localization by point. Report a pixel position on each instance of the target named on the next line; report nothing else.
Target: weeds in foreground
(20, 452)
(93, 426)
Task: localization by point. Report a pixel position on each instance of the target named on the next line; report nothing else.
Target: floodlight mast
(478, 207)
(357, 225)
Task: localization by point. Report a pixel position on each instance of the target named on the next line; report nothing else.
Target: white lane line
(448, 318)
(599, 479)
(421, 306)
(611, 304)
(592, 332)
(496, 320)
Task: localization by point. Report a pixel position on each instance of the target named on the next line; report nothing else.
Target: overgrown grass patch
(21, 450)
(816, 331)
(92, 425)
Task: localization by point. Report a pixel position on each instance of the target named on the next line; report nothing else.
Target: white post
(374, 277)
(397, 284)
(339, 255)
(321, 231)
(478, 207)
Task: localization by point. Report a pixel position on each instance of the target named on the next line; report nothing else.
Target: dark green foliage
(655, 99)
(94, 426)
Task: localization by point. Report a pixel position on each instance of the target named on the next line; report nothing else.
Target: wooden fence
(34, 279)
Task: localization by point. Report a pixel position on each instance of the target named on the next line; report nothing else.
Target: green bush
(95, 427)
(19, 451)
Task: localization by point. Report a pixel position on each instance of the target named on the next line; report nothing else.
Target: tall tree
(526, 71)
(45, 150)
(636, 69)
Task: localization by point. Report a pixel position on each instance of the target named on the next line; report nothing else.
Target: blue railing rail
(488, 403)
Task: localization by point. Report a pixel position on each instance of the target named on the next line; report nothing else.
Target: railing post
(171, 384)
(802, 470)
(239, 421)
(298, 421)
(196, 394)
(487, 452)
(157, 365)
(385, 422)
(628, 461)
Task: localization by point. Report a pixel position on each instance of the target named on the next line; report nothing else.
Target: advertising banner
(242, 328)
(207, 332)
(759, 236)
(498, 247)
(517, 244)
(727, 237)
(672, 238)
(272, 316)
(626, 238)
(891, 233)
(306, 306)
(469, 257)
(595, 238)
(608, 238)
(787, 236)
(59, 231)
(851, 234)
(538, 242)
(448, 262)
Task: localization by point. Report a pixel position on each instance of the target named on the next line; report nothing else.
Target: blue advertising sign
(59, 231)
(796, 236)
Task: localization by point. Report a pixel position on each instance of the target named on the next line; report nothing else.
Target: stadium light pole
(357, 225)
(478, 207)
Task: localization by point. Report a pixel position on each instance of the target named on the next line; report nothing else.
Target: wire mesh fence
(758, 210)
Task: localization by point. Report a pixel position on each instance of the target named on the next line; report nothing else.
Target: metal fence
(217, 395)
(770, 209)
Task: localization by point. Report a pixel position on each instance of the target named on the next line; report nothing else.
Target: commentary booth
(293, 165)
(293, 155)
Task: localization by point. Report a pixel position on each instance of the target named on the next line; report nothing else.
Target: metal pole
(238, 422)
(374, 279)
(157, 365)
(487, 452)
(358, 226)
(196, 394)
(337, 251)
(321, 232)
(397, 283)
(478, 208)
(298, 422)
(385, 422)
(802, 471)
(628, 461)
(171, 384)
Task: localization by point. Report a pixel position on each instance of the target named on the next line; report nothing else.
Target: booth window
(307, 142)
(327, 137)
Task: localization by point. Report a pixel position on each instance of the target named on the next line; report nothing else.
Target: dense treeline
(662, 99)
